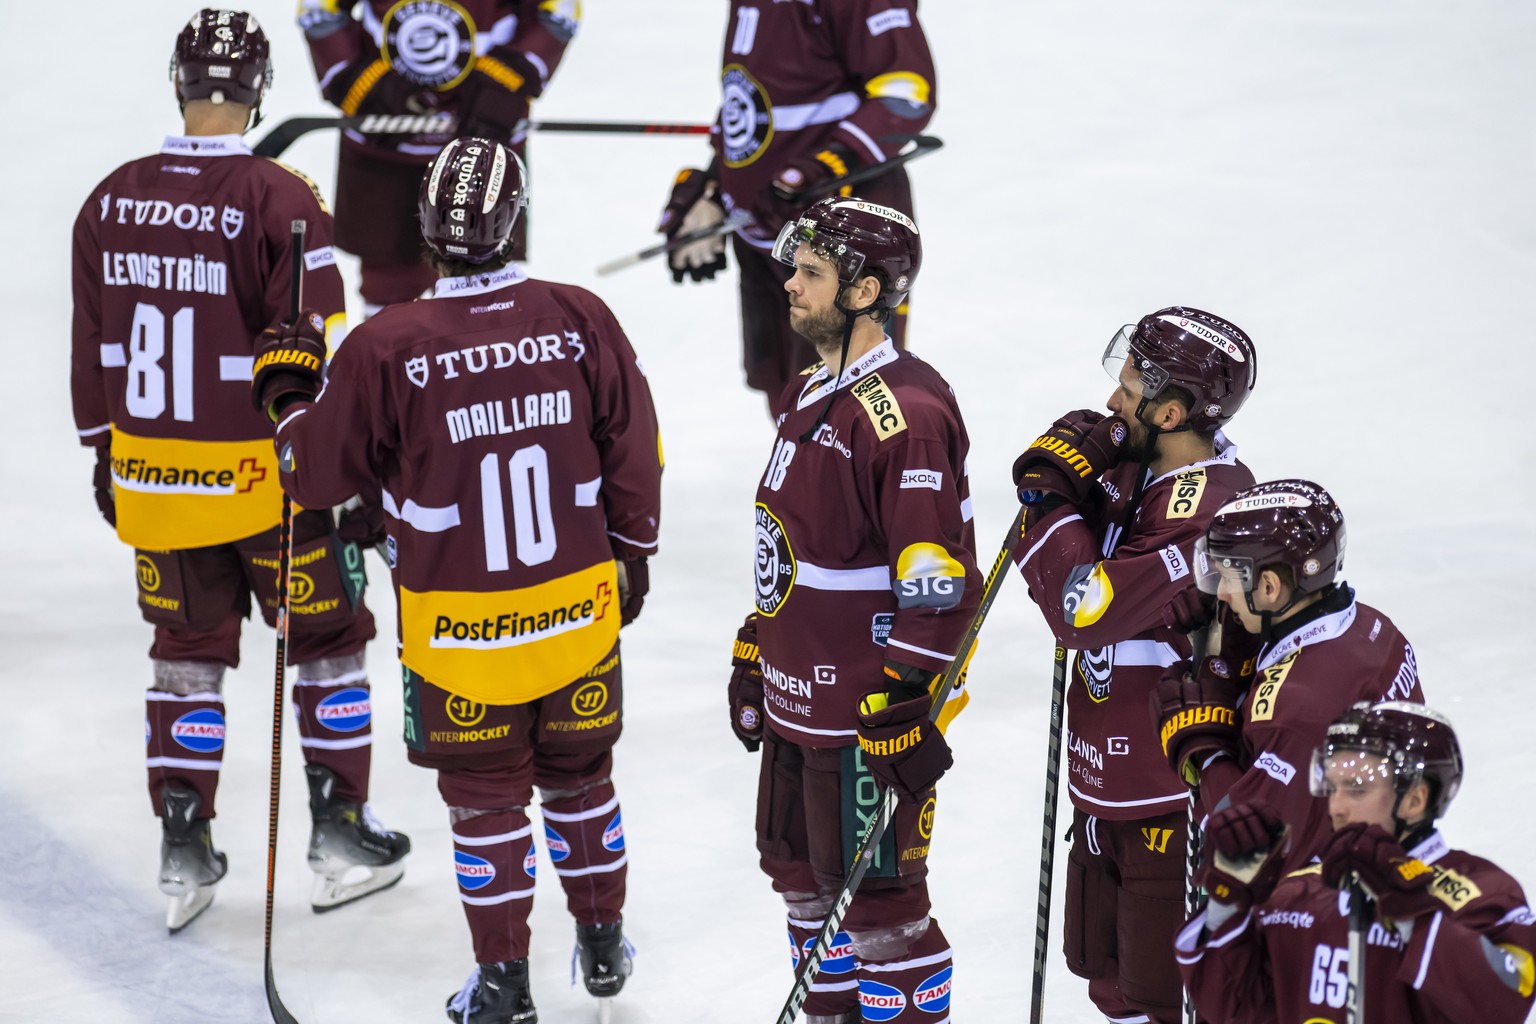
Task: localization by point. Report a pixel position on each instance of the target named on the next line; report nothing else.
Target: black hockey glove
(746, 687)
(634, 584)
(101, 480)
(692, 207)
(802, 182)
(369, 86)
(903, 747)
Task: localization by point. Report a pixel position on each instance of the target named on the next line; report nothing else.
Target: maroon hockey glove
(634, 584)
(692, 207)
(1066, 460)
(903, 748)
(746, 687)
(290, 363)
(101, 480)
(801, 182)
(1196, 712)
(495, 96)
(1399, 883)
(1244, 848)
(369, 86)
(362, 523)
(1190, 609)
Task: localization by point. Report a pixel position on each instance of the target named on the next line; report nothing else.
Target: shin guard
(584, 832)
(332, 703)
(494, 859)
(185, 737)
(904, 980)
(834, 992)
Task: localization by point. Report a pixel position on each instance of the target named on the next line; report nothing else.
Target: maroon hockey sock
(584, 833)
(336, 729)
(494, 859)
(834, 991)
(909, 987)
(185, 737)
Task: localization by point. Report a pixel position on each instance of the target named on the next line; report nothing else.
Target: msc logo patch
(1187, 489)
(613, 834)
(589, 699)
(1266, 688)
(149, 574)
(463, 712)
(881, 406)
(932, 995)
(558, 848)
(200, 731)
(880, 1002)
(345, 710)
(474, 872)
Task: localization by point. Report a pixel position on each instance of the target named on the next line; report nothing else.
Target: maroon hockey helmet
(470, 198)
(222, 56)
(1294, 523)
(1403, 741)
(1205, 355)
(858, 237)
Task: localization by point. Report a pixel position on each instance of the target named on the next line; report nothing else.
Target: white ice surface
(1349, 182)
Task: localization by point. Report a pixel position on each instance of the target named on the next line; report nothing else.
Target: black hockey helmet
(223, 56)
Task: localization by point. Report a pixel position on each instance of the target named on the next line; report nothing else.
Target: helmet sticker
(1209, 335)
(1257, 501)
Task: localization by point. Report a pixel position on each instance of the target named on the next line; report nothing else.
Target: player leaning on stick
(866, 582)
(1450, 935)
(809, 92)
(1295, 651)
(180, 260)
(511, 430)
(1114, 506)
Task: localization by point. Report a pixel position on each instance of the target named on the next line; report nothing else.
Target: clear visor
(1153, 378)
(799, 241)
(1335, 769)
(1222, 574)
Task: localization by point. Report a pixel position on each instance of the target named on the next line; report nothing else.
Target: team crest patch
(775, 563)
(430, 42)
(746, 116)
(231, 221)
(416, 371)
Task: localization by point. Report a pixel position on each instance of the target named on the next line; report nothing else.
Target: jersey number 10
(532, 520)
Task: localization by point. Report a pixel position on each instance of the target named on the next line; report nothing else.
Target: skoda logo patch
(775, 563)
(746, 116)
(430, 42)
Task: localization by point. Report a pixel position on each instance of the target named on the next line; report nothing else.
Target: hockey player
(1272, 555)
(512, 432)
(1450, 937)
(809, 93)
(866, 581)
(180, 260)
(480, 62)
(1114, 506)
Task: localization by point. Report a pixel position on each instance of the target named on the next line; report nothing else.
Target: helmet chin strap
(849, 317)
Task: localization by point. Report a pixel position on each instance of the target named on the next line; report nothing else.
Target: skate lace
(371, 821)
(466, 994)
(629, 954)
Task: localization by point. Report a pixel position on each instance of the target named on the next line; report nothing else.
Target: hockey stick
(1048, 833)
(1359, 921)
(1200, 642)
(280, 1012)
(864, 855)
(921, 146)
(286, 133)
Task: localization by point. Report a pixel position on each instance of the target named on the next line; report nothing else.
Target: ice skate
(349, 851)
(606, 958)
(190, 867)
(494, 994)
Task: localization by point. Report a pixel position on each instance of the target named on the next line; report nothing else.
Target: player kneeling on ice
(866, 583)
(1293, 650)
(512, 433)
(1447, 935)
(180, 259)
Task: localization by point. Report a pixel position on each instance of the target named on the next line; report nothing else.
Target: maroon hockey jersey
(1287, 962)
(1102, 591)
(1303, 683)
(180, 260)
(865, 546)
(512, 431)
(797, 76)
(433, 43)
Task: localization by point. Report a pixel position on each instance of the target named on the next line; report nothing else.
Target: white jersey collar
(205, 145)
(1431, 849)
(1329, 627)
(817, 384)
(1226, 455)
(478, 284)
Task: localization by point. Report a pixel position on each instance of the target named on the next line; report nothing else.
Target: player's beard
(822, 328)
(1140, 445)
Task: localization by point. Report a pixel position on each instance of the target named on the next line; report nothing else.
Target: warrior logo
(416, 371)
(231, 221)
(746, 116)
(430, 42)
(1096, 666)
(775, 563)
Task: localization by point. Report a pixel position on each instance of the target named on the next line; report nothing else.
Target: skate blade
(187, 905)
(332, 891)
(605, 1010)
